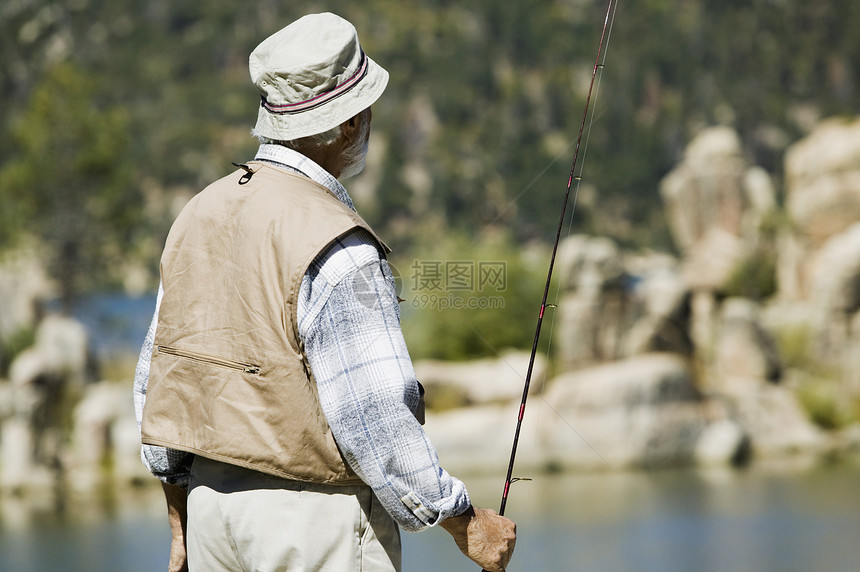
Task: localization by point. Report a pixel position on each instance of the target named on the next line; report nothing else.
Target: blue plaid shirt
(349, 321)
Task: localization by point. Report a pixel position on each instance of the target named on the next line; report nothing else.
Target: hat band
(322, 98)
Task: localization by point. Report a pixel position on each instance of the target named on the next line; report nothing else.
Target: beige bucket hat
(312, 76)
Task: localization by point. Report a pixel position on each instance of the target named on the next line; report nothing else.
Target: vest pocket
(210, 359)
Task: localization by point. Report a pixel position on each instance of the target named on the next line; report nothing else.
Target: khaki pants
(243, 520)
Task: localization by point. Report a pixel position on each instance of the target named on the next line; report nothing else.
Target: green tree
(465, 298)
(66, 180)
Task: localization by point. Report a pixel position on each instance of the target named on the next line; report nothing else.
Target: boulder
(23, 283)
(709, 263)
(822, 177)
(18, 470)
(663, 314)
(830, 313)
(61, 351)
(705, 190)
(478, 440)
(715, 203)
(589, 263)
(822, 188)
(747, 376)
(491, 380)
(722, 443)
(822, 304)
(640, 412)
(835, 275)
(105, 434)
(44, 381)
(16, 453)
(616, 304)
(593, 309)
(818, 264)
(772, 417)
(744, 349)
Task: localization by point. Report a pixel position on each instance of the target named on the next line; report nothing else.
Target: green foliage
(754, 277)
(67, 180)
(818, 387)
(794, 346)
(467, 298)
(826, 402)
(12, 345)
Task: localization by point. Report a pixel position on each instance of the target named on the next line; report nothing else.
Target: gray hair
(316, 140)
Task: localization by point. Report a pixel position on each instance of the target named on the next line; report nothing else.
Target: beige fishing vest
(228, 378)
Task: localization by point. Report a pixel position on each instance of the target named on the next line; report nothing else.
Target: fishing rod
(598, 66)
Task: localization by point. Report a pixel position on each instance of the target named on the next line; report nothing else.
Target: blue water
(130, 544)
(116, 323)
(755, 520)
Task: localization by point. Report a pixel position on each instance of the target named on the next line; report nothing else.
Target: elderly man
(277, 401)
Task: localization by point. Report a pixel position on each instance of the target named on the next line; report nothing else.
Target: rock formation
(662, 362)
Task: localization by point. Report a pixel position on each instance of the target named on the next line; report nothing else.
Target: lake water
(752, 520)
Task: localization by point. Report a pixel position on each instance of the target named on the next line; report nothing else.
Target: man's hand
(176, 514)
(484, 536)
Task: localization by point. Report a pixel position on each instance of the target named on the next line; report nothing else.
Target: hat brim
(289, 126)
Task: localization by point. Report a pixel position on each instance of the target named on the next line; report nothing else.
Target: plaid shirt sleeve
(350, 324)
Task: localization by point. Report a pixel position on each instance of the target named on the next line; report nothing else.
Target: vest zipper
(214, 360)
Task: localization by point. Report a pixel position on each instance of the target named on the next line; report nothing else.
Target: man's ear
(350, 127)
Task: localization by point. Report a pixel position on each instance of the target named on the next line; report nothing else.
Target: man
(277, 405)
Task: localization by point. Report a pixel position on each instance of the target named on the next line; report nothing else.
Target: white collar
(294, 160)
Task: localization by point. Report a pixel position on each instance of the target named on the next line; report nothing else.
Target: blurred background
(696, 400)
